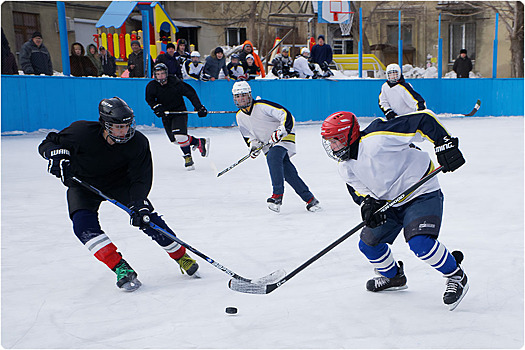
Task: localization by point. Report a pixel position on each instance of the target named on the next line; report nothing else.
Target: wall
(30, 103)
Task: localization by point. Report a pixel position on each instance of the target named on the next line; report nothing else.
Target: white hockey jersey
(191, 70)
(387, 163)
(300, 65)
(400, 97)
(263, 118)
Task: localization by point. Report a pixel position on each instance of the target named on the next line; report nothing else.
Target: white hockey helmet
(242, 94)
(305, 50)
(195, 54)
(393, 72)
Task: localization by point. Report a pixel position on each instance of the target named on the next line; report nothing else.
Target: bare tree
(511, 14)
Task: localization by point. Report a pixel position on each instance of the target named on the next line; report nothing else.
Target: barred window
(462, 36)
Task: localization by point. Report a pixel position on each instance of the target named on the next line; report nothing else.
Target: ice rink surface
(55, 294)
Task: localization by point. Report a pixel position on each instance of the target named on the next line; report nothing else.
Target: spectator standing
(321, 53)
(136, 61)
(236, 69)
(93, 55)
(180, 51)
(8, 59)
(34, 56)
(247, 49)
(215, 62)
(282, 64)
(81, 65)
(301, 66)
(252, 70)
(108, 62)
(462, 64)
(193, 68)
(171, 61)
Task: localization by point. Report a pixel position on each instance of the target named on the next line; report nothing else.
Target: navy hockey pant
(281, 169)
(421, 220)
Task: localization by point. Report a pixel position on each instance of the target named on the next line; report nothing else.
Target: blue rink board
(30, 103)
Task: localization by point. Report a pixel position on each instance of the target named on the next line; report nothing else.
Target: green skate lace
(185, 263)
(123, 270)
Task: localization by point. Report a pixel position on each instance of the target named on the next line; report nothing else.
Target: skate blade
(207, 153)
(196, 274)
(190, 168)
(131, 286)
(275, 208)
(315, 208)
(453, 306)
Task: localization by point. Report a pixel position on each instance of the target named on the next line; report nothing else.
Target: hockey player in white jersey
(193, 68)
(398, 97)
(268, 124)
(379, 163)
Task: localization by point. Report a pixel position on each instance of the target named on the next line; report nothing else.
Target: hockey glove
(140, 212)
(368, 208)
(390, 115)
(59, 164)
(159, 110)
(255, 148)
(202, 111)
(448, 154)
(278, 134)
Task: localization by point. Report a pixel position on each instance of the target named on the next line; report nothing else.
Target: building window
(25, 25)
(392, 33)
(235, 36)
(462, 36)
(343, 46)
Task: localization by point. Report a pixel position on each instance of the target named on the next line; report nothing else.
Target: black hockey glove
(368, 208)
(448, 154)
(59, 164)
(140, 212)
(390, 115)
(159, 110)
(202, 111)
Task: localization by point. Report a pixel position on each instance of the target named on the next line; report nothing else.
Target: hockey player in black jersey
(378, 164)
(165, 94)
(115, 158)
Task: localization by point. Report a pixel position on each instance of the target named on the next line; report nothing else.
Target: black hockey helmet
(115, 115)
(160, 67)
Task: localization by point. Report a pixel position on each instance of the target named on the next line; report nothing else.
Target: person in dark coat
(109, 65)
(215, 62)
(8, 59)
(136, 61)
(170, 60)
(321, 53)
(34, 56)
(81, 65)
(462, 64)
(93, 55)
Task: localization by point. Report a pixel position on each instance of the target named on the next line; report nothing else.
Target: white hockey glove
(278, 134)
(255, 148)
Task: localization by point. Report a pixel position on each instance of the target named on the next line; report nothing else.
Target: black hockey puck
(231, 310)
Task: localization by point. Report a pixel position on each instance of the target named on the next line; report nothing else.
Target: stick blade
(474, 110)
(258, 286)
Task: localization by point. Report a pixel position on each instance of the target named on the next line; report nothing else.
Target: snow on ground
(56, 295)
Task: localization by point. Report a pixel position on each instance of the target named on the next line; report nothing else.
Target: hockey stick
(272, 277)
(240, 161)
(474, 110)
(259, 288)
(195, 112)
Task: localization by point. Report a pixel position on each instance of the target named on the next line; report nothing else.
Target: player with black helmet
(114, 157)
(378, 164)
(165, 94)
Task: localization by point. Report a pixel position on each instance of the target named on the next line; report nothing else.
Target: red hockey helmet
(340, 131)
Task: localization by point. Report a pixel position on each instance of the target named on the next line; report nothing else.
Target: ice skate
(188, 162)
(126, 277)
(457, 284)
(203, 146)
(275, 202)
(188, 265)
(313, 205)
(399, 281)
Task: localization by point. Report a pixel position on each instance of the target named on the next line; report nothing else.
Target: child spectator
(109, 65)
(215, 62)
(93, 55)
(193, 68)
(235, 68)
(81, 65)
(247, 49)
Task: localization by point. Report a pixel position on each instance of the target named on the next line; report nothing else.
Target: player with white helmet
(378, 164)
(268, 124)
(193, 68)
(398, 97)
(301, 65)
